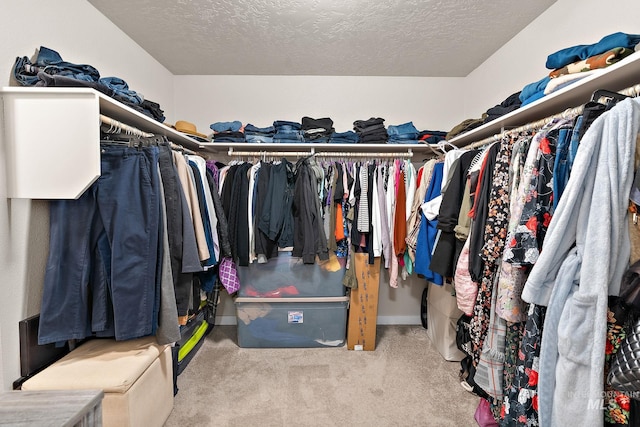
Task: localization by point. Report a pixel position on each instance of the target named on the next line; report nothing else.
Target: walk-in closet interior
(316, 179)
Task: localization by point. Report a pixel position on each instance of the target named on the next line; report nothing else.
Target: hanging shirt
(253, 175)
(363, 206)
(376, 223)
(384, 215)
(191, 196)
(201, 165)
(391, 209)
(410, 182)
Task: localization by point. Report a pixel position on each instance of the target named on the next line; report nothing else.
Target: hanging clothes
(448, 248)
(183, 249)
(598, 188)
(104, 251)
(428, 231)
(309, 239)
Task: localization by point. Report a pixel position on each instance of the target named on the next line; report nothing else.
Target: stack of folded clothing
(508, 105)
(405, 133)
(431, 136)
(227, 131)
(256, 134)
(50, 70)
(317, 130)
(466, 126)
(348, 137)
(577, 62)
(287, 132)
(371, 131)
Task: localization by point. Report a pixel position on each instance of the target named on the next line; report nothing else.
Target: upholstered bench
(136, 377)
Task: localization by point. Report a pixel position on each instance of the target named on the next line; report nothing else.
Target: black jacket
(448, 248)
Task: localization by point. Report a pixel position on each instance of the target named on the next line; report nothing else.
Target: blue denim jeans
(121, 88)
(348, 137)
(50, 61)
(257, 137)
(566, 148)
(226, 126)
(403, 129)
(283, 125)
(249, 128)
(101, 273)
(288, 137)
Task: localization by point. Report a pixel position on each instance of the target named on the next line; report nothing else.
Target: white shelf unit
(616, 77)
(52, 139)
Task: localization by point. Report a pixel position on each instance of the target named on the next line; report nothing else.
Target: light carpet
(404, 382)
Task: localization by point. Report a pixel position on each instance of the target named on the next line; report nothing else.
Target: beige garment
(634, 229)
(634, 236)
(191, 194)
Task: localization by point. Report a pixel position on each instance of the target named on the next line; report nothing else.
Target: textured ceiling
(431, 38)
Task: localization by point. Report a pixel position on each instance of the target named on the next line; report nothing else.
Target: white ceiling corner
(429, 38)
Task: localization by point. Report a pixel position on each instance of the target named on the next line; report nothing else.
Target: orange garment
(339, 230)
(400, 218)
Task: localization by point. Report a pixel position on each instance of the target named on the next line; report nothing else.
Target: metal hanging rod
(119, 127)
(179, 147)
(569, 113)
(312, 152)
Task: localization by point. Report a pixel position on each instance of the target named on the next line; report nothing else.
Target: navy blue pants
(104, 250)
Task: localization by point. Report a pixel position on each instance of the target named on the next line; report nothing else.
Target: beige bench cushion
(106, 364)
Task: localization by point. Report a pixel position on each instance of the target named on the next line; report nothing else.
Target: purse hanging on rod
(624, 373)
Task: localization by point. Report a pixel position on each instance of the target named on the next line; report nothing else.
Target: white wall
(262, 99)
(522, 60)
(80, 34)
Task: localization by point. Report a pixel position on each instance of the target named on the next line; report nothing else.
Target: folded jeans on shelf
(402, 129)
(233, 126)
(249, 128)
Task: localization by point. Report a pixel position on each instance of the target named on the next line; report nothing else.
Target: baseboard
(382, 320)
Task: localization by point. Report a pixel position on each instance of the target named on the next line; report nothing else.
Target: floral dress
(523, 248)
(525, 243)
(494, 239)
(520, 406)
(515, 331)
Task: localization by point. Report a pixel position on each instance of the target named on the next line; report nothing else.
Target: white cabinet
(51, 139)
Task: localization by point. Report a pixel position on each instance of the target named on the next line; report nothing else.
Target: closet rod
(312, 152)
(121, 127)
(632, 91)
(178, 147)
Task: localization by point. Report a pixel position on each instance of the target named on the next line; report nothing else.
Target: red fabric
(419, 179)
(472, 211)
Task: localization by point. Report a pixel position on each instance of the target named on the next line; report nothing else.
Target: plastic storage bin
(288, 277)
(286, 303)
(291, 322)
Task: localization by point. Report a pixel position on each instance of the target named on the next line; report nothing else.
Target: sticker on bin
(296, 317)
